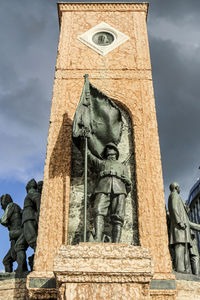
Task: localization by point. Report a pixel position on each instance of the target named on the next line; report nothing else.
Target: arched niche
(130, 233)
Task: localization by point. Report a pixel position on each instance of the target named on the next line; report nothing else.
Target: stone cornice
(93, 6)
(63, 277)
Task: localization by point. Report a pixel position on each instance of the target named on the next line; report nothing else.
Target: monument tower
(109, 42)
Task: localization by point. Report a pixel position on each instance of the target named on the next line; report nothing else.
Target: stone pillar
(123, 74)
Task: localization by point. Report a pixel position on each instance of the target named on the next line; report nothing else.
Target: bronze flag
(98, 117)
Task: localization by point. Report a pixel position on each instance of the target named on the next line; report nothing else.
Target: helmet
(110, 145)
(31, 184)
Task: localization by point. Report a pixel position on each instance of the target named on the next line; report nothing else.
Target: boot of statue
(8, 267)
(21, 261)
(116, 233)
(99, 227)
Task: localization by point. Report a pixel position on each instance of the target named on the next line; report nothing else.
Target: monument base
(11, 287)
(41, 285)
(103, 271)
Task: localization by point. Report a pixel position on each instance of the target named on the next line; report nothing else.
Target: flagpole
(85, 188)
(86, 132)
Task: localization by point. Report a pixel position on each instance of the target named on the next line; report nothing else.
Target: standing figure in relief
(30, 218)
(111, 191)
(180, 230)
(12, 219)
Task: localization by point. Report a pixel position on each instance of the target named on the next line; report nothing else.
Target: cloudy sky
(29, 34)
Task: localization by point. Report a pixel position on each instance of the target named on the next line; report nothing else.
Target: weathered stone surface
(41, 285)
(103, 271)
(103, 291)
(187, 290)
(102, 259)
(13, 288)
(163, 294)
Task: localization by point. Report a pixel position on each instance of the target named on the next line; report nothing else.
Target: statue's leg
(117, 216)
(101, 205)
(13, 252)
(195, 264)
(21, 261)
(20, 248)
(30, 233)
(180, 257)
(8, 262)
(99, 227)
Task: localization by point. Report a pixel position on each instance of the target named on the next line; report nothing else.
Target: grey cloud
(177, 100)
(176, 11)
(26, 104)
(28, 52)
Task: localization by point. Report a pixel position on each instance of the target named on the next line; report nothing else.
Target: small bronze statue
(110, 192)
(194, 254)
(180, 230)
(12, 219)
(31, 212)
(30, 218)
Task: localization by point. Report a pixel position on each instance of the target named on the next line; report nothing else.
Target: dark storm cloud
(176, 71)
(175, 10)
(29, 34)
(177, 102)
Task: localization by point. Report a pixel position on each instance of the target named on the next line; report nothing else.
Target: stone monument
(102, 231)
(96, 40)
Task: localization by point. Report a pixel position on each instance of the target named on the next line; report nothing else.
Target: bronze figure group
(22, 226)
(182, 241)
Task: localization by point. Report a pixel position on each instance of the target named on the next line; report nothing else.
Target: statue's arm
(94, 161)
(126, 177)
(7, 214)
(194, 226)
(36, 197)
(126, 180)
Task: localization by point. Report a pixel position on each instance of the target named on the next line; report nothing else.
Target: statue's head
(39, 186)
(5, 200)
(32, 184)
(174, 186)
(111, 151)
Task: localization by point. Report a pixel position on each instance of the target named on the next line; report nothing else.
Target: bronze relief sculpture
(97, 129)
(181, 236)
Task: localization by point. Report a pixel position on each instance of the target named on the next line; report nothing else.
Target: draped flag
(98, 117)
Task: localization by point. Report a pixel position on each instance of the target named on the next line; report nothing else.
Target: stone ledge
(103, 6)
(81, 277)
(12, 275)
(188, 277)
(99, 262)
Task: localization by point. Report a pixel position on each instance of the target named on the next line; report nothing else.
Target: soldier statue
(180, 230)
(111, 191)
(12, 219)
(30, 219)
